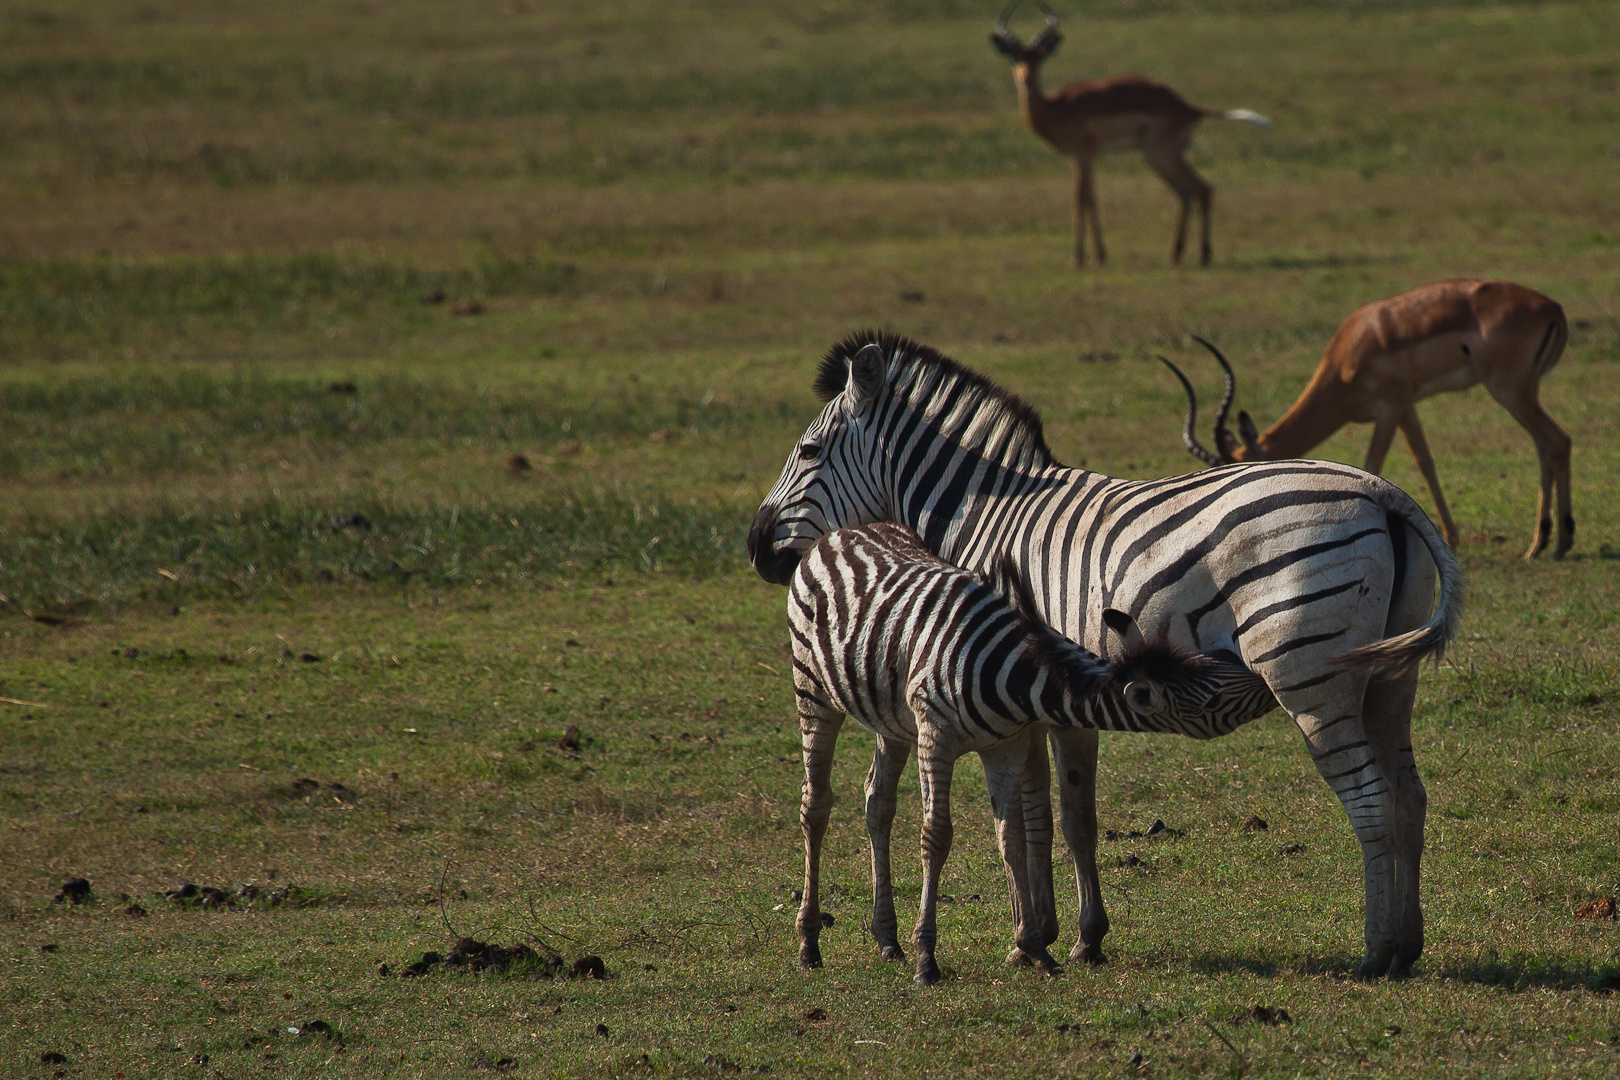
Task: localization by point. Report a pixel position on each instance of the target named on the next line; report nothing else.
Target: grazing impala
(1126, 112)
(1391, 354)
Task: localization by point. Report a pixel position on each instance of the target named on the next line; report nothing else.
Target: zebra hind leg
(882, 781)
(1037, 802)
(1339, 745)
(934, 771)
(1388, 713)
(818, 728)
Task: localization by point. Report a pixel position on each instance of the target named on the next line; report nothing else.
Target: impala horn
(1188, 439)
(1006, 42)
(1225, 441)
(1048, 39)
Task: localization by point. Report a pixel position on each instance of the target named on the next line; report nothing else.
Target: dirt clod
(135, 911)
(1256, 823)
(74, 890)
(185, 891)
(588, 967)
(912, 296)
(342, 387)
(1291, 849)
(429, 961)
(517, 464)
(816, 1015)
(602, 1030)
(569, 740)
(48, 947)
(827, 919)
(1596, 910)
(51, 1057)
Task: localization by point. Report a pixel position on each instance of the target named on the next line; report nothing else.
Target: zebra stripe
(1318, 578)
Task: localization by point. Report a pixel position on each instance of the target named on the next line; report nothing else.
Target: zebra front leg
(882, 780)
(1074, 752)
(819, 724)
(934, 771)
(1005, 773)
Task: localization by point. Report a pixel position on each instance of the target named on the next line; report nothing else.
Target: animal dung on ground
(74, 890)
(52, 1057)
(340, 522)
(827, 919)
(466, 307)
(1256, 823)
(517, 465)
(570, 740)
(1291, 849)
(344, 387)
(602, 1030)
(434, 296)
(912, 296)
(588, 967)
(1263, 1014)
(1597, 910)
(816, 1015)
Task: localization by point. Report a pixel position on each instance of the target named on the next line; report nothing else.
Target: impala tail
(1394, 655)
(1247, 116)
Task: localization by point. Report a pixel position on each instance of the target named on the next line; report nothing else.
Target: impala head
(1039, 47)
(831, 479)
(1228, 448)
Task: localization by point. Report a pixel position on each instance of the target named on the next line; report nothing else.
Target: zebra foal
(922, 653)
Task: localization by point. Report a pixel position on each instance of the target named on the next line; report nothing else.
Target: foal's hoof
(893, 952)
(809, 958)
(927, 973)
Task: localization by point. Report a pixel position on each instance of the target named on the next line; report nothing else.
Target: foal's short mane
(919, 373)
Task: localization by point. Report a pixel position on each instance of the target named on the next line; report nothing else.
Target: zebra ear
(1125, 629)
(866, 373)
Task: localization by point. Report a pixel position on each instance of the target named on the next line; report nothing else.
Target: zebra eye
(809, 452)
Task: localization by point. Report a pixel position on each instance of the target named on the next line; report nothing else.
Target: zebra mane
(918, 374)
(1080, 671)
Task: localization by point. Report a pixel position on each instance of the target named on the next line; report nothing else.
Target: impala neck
(1031, 101)
(1304, 426)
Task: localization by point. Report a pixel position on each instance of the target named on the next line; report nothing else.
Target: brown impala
(1126, 112)
(1391, 354)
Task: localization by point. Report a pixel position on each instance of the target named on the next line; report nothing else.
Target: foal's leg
(934, 770)
(1038, 837)
(1075, 756)
(1004, 775)
(888, 760)
(819, 723)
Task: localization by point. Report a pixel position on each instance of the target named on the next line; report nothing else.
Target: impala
(1126, 112)
(1391, 354)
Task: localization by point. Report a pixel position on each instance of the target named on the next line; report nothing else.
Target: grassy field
(285, 290)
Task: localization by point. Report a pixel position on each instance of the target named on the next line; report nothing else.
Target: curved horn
(1226, 403)
(1006, 12)
(1187, 437)
(1051, 16)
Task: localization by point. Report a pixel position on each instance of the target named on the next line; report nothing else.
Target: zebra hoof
(1401, 966)
(1375, 965)
(893, 952)
(809, 957)
(1019, 958)
(927, 972)
(1091, 955)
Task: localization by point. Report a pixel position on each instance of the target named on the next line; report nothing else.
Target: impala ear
(1250, 433)
(866, 373)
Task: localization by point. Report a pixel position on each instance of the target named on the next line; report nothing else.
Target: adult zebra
(1320, 577)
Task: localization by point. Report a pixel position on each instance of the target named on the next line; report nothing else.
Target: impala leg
(1383, 434)
(1004, 774)
(819, 724)
(1077, 251)
(1166, 157)
(1074, 754)
(1552, 448)
(934, 771)
(1425, 463)
(882, 780)
(1091, 212)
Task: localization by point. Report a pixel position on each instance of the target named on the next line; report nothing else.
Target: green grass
(217, 229)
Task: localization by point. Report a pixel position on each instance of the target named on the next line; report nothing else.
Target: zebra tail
(1394, 655)
(1078, 672)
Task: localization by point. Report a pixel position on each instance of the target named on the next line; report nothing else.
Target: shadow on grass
(1313, 262)
(1510, 973)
